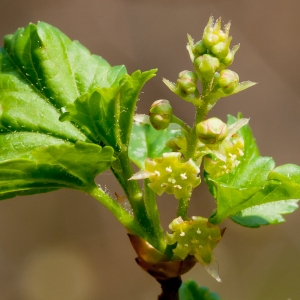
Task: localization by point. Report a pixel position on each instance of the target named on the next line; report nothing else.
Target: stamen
(177, 186)
(183, 176)
(169, 169)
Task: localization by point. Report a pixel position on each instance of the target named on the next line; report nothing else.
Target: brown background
(65, 245)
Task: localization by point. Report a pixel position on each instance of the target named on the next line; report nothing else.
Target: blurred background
(65, 246)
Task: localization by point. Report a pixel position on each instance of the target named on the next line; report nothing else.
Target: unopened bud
(199, 49)
(160, 114)
(210, 36)
(228, 81)
(211, 131)
(221, 49)
(187, 82)
(206, 65)
(213, 34)
(228, 60)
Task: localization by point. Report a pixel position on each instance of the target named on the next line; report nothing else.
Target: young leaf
(33, 163)
(190, 290)
(106, 114)
(41, 72)
(265, 214)
(145, 141)
(246, 192)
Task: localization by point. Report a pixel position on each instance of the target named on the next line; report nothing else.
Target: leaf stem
(118, 211)
(153, 213)
(133, 191)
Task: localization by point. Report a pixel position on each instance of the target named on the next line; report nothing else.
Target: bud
(206, 65)
(210, 34)
(221, 49)
(211, 131)
(228, 81)
(213, 34)
(199, 49)
(160, 114)
(215, 82)
(187, 82)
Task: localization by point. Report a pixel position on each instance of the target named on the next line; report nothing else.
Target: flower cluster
(195, 237)
(222, 156)
(211, 55)
(171, 175)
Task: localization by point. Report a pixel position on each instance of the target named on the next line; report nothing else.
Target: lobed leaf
(106, 114)
(255, 193)
(41, 72)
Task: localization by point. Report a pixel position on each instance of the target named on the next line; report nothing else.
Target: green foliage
(67, 115)
(43, 74)
(252, 193)
(106, 114)
(146, 142)
(190, 290)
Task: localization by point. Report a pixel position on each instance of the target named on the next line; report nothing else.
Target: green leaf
(106, 114)
(35, 168)
(265, 214)
(271, 213)
(145, 141)
(41, 72)
(253, 193)
(190, 290)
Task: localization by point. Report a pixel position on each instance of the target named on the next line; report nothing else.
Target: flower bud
(211, 131)
(187, 82)
(199, 49)
(210, 36)
(160, 114)
(228, 81)
(206, 65)
(213, 34)
(228, 60)
(215, 82)
(221, 49)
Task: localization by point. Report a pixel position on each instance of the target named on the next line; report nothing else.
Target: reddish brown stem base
(170, 288)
